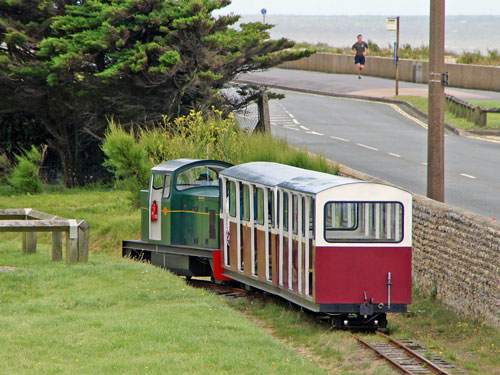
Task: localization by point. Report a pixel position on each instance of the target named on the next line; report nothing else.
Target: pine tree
(75, 64)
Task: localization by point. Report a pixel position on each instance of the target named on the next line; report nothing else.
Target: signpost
(263, 11)
(392, 24)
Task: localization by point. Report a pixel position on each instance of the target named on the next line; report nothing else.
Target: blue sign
(395, 53)
(263, 11)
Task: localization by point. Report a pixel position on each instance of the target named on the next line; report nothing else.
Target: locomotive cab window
(197, 177)
(158, 181)
(363, 222)
(166, 186)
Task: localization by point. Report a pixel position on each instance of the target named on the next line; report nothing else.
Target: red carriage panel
(343, 274)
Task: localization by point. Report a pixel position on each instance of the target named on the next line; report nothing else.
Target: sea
(462, 33)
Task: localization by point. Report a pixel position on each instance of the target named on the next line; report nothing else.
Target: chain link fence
(247, 117)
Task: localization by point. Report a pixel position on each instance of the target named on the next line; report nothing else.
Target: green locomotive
(180, 217)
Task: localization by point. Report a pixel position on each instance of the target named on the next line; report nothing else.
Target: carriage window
(295, 213)
(158, 181)
(270, 206)
(166, 189)
(363, 222)
(231, 188)
(341, 216)
(245, 202)
(312, 211)
(259, 205)
(303, 218)
(285, 211)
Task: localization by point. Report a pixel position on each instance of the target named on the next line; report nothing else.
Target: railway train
(333, 245)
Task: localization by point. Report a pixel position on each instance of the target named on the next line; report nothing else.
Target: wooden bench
(30, 222)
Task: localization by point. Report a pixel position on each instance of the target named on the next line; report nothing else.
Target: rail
(30, 222)
(404, 358)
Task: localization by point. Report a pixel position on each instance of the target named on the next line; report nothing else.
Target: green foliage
(24, 177)
(130, 156)
(477, 58)
(74, 64)
(126, 159)
(5, 168)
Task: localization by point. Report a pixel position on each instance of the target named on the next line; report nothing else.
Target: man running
(360, 48)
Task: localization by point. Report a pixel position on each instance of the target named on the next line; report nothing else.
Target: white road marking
(368, 147)
(315, 133)
(339, 139)
(289, 114)
(295, 121)
(304, 128)
(467, 175)
(395, 155)
(424, 163)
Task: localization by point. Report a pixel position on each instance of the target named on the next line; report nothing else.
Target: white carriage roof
(287, 177)
(173, 165)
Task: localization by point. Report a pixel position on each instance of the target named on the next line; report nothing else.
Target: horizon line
(364, 15)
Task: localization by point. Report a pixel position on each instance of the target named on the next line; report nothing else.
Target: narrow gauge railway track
(407, 356)
(222, 290)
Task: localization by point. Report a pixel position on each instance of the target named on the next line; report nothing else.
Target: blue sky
(362, 7)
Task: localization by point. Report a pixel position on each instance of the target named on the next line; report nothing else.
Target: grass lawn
(493, 122)
(116, 316)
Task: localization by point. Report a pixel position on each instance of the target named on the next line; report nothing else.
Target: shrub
(130, 156)
(127, 159)
(25, 175)
(5, 168)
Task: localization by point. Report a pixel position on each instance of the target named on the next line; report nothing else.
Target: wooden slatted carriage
(328, 243)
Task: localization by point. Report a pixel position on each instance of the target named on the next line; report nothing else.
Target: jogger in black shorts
(360, 49)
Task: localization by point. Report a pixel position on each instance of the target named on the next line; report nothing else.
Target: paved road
(381, 140)
(347, 84)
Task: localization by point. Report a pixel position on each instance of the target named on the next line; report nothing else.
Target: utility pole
(435, 132)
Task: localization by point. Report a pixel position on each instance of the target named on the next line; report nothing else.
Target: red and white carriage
(328, 243)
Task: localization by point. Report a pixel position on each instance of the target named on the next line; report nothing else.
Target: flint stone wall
(456, 255)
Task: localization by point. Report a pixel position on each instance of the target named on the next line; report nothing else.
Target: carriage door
(155, 196)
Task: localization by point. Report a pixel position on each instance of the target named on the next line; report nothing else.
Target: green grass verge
(493, 122)
(117, 316)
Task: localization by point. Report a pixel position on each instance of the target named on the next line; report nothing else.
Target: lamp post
(435, 132)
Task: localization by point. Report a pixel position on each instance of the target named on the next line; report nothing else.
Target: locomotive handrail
(30, 222)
